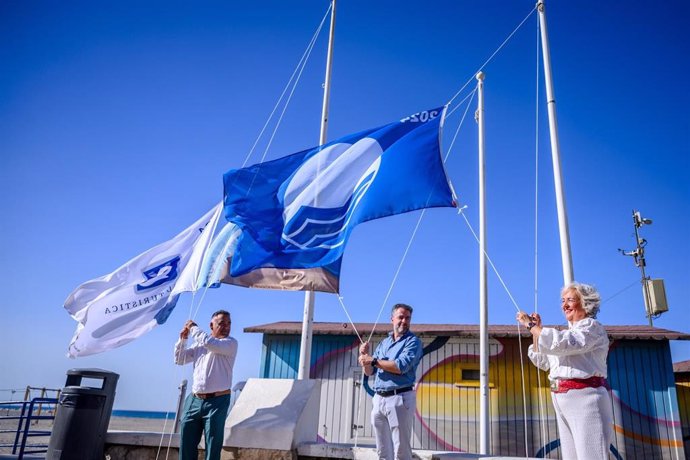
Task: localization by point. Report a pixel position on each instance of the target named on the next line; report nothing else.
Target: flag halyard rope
(498, 275)
(494, 54)
(540, 399)
(522, 367)
(462, 121)
(292, 84)
(524, 390)
(298, 70)
(342, 304)
(301, 68)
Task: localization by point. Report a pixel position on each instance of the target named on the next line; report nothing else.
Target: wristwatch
(374, 362)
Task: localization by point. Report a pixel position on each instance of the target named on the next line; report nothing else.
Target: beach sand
(8, 428)
(157, 425)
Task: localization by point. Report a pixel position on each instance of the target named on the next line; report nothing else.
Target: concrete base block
(114, 452)
(274, 415)
(143, 438)
(368, 452)
(241, 453)
(140, 445)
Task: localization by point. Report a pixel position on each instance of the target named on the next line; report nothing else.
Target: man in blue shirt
(395, 363)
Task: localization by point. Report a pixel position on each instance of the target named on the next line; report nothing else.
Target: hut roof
(681, 367)
(456, 330)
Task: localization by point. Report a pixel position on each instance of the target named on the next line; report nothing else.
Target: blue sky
(118, 120)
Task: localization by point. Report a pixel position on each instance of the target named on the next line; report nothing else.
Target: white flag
(117, 308)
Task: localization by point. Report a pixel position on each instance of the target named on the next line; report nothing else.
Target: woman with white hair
(576, 361)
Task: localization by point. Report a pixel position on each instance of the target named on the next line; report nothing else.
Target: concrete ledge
(145, 446)
(344, 451)
(143, 439)
(245, 453)
(133, 445)
(368, 452)
(142, 445)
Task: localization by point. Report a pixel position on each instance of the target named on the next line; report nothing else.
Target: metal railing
(29, 414)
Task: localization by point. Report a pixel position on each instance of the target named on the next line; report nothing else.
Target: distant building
(644, 394)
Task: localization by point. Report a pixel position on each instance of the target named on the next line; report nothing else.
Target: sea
(116, 412)
(143, 414)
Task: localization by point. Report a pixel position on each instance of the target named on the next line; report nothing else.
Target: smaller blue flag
(297, 212)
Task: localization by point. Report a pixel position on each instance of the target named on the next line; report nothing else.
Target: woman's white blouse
(575, 353)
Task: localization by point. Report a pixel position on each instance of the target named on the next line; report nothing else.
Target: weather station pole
(484, 437)
(638, 254)
(309, 296)
(637, 219)
(563, 231)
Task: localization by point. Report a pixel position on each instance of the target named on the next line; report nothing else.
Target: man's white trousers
(392, 418)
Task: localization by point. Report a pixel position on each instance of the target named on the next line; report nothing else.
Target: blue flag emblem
(161, 273)
(297, 212)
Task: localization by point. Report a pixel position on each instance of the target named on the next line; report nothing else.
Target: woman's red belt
(565, 385)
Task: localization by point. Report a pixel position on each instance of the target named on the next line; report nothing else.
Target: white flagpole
(309, 296)
(484, 447)
(563, 229)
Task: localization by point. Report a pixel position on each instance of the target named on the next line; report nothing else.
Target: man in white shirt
(206, 407)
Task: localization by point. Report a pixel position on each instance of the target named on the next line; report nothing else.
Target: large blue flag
(296, 213)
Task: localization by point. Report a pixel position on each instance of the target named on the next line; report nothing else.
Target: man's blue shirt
(406, 352)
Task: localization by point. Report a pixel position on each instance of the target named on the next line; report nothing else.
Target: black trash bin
(83, 415)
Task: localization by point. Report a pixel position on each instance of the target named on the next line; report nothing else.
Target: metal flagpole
(484, 447)
(309, 296)
(563, 229)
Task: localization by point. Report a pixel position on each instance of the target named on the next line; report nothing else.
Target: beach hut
(644, 392)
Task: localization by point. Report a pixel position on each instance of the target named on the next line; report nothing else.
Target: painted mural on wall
(647, 419)
(645, 402)
(683, 391)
